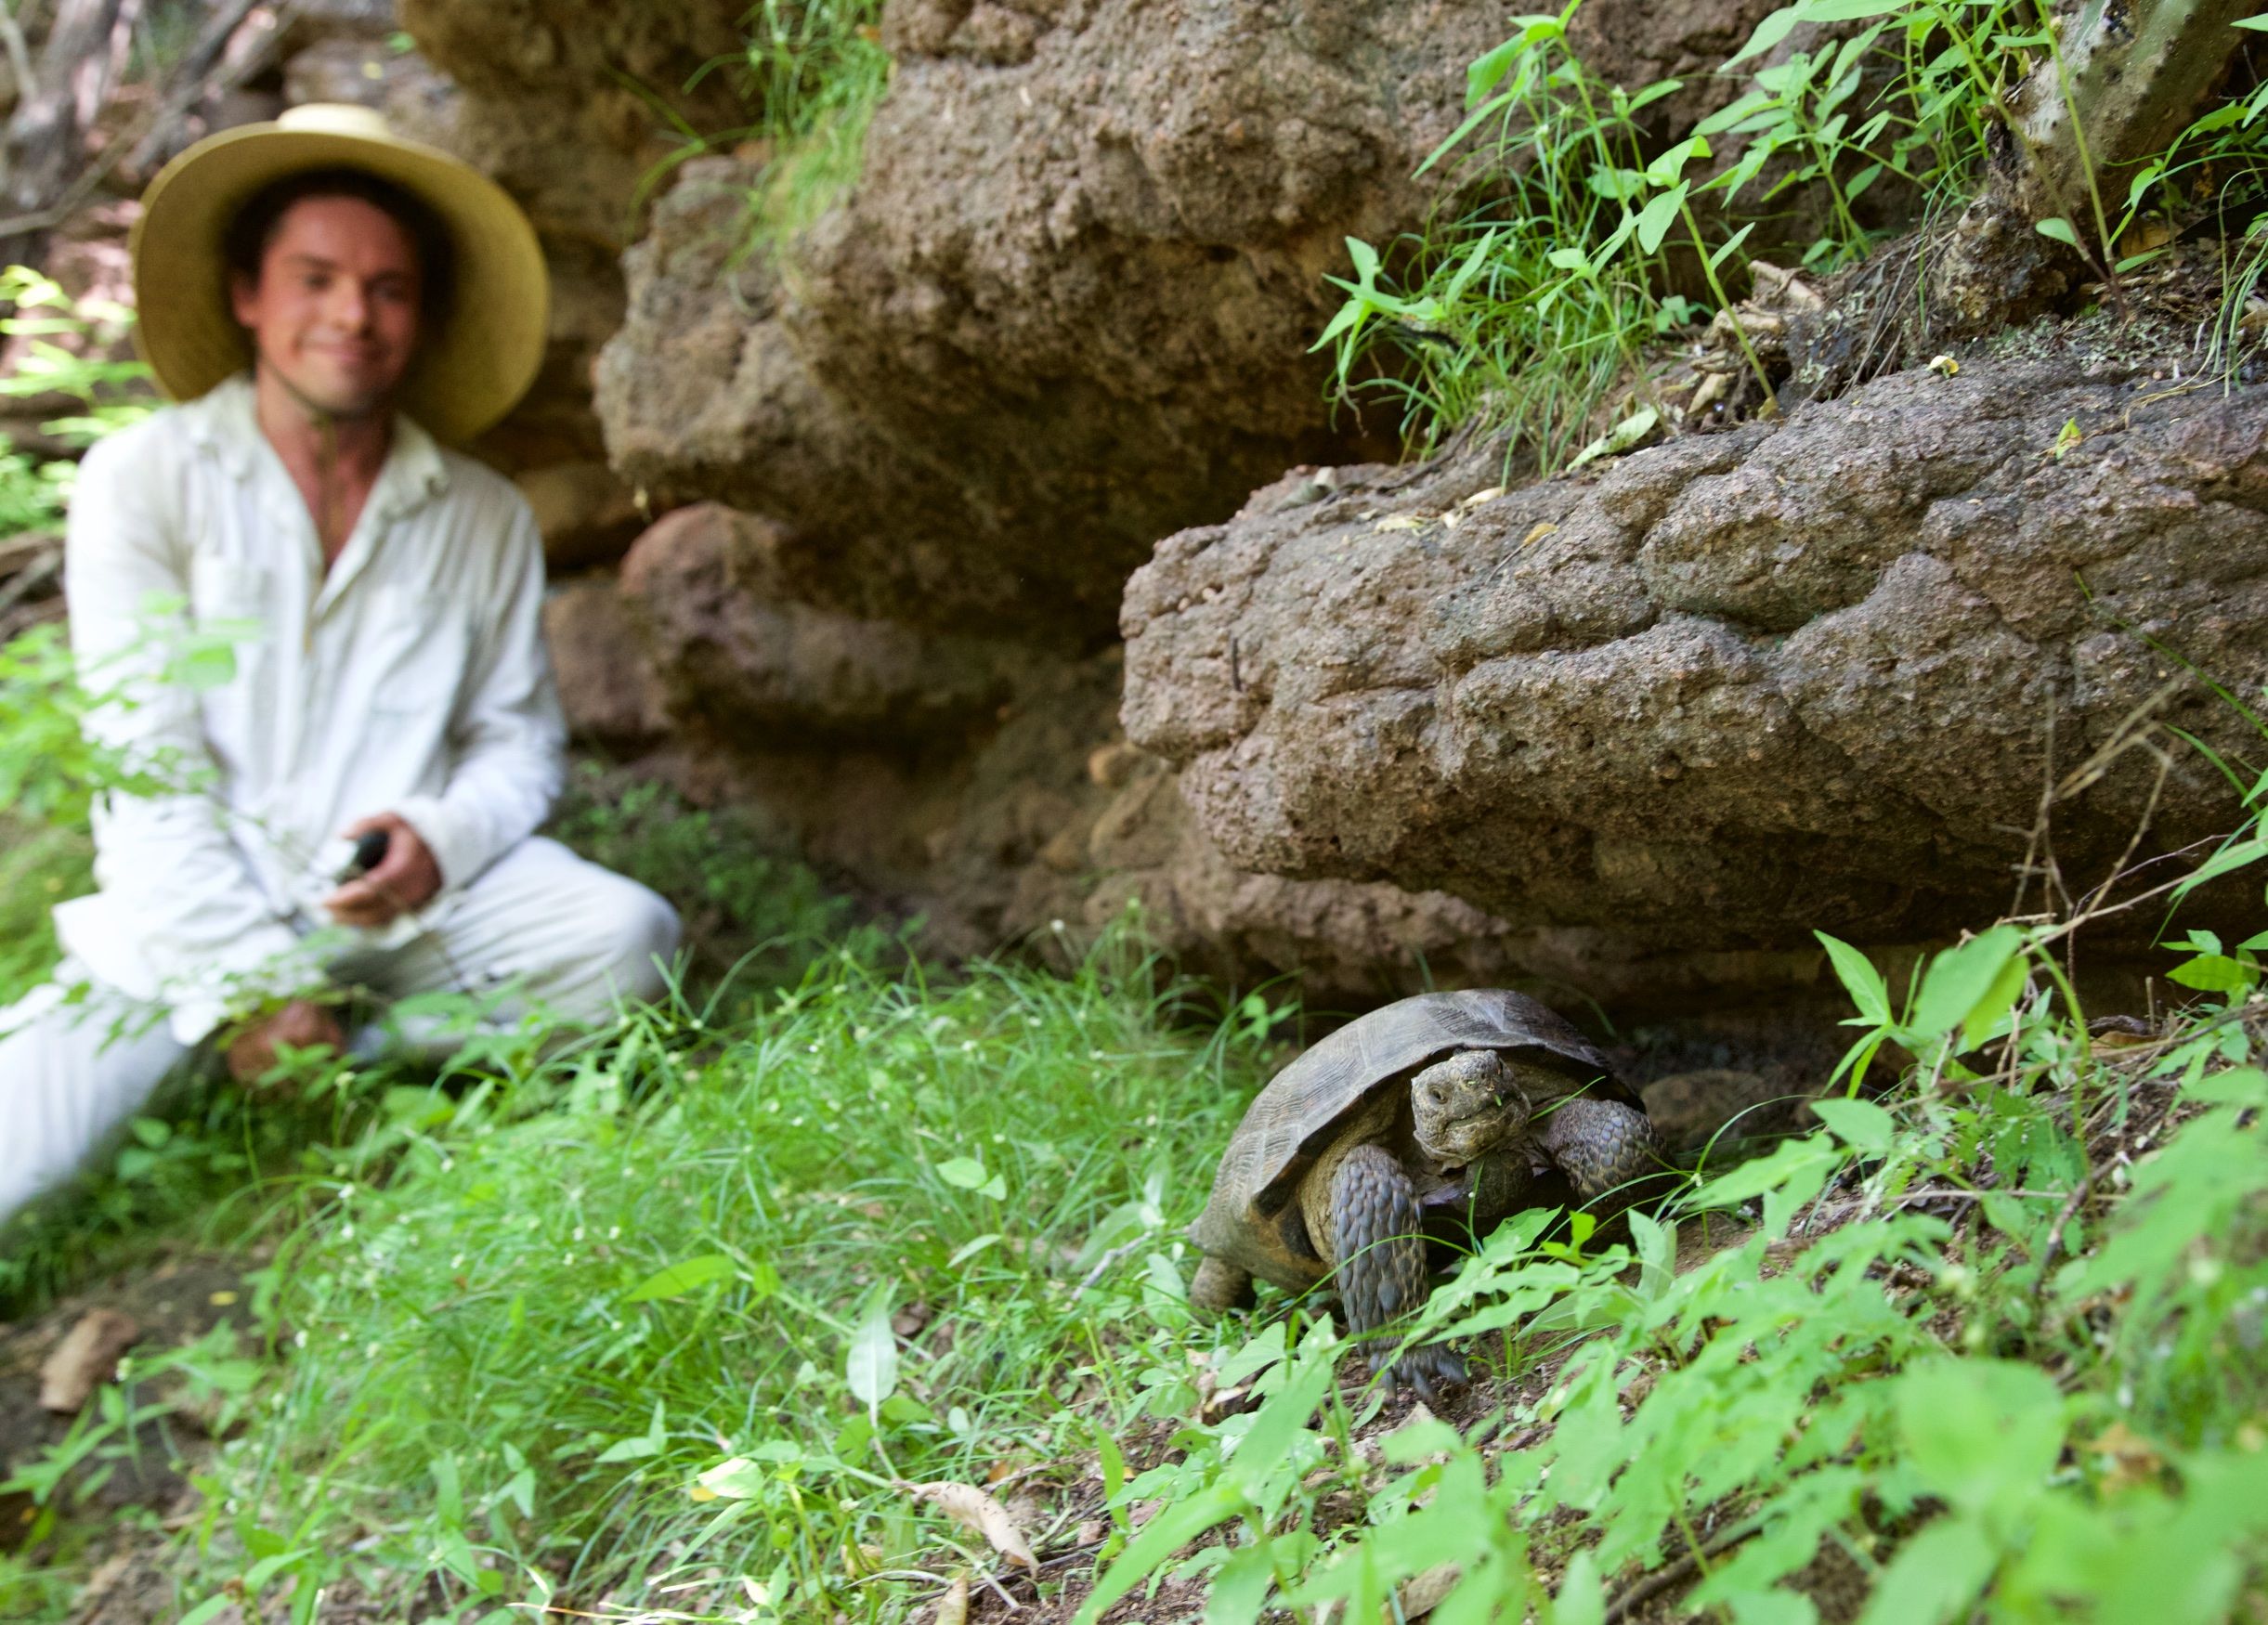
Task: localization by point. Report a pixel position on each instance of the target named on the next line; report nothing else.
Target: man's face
(335, 310)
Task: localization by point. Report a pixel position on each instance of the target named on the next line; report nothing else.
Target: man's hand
(404, 880)
(301, 1024)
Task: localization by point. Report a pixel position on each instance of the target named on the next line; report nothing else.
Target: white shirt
(410, 678)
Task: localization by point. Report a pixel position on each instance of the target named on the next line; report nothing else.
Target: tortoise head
(1466, 1106)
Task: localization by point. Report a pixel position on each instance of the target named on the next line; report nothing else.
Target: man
(323, 299)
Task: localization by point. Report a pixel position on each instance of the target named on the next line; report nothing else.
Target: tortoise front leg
(1221, 1286)
(1381, 1259)
(1602, 1145)
(1486, 1189)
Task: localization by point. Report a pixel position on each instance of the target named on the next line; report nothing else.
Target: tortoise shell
(1308, 1104)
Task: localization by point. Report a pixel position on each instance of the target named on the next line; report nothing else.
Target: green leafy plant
(810, 75)
(1858, 1375)
(1534, 295)
(1528, 308)
(35, 493)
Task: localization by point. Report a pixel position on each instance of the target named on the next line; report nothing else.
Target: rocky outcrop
(612, 696)
(561, 104)
(1812, 675)
(978, 784)
(1068, 306)
(737, 648)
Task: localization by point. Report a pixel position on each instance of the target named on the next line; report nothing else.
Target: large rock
(607, 688)
(980, 785)
(558, 102)
(737, 648)
(1068, 306)
(1807, 675)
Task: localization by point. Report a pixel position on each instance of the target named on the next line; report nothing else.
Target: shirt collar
(224, 420)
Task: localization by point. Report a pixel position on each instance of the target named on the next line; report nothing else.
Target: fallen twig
(1648, 1587)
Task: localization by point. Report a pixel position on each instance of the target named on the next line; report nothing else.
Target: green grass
(40, 866)
(810, 74)
(513, 1360)
(817, 69)
(680, 1315)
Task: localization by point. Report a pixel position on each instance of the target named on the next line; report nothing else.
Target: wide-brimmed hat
(468, 372)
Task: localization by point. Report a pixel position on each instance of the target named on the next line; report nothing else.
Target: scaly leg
(1602, 1145)
(1382, 1263)
(1221, 1286)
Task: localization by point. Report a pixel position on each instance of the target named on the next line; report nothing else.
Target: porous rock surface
(981, 783)
(1807, 675)
(557, 102)
(1067, 307)
(734, 646)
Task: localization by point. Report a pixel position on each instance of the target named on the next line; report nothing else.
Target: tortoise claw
(1429, 1369)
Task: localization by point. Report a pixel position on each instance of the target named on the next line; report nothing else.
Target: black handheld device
(370, 852)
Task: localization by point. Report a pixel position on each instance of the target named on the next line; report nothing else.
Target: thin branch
(19, 52)
(1670, 1574)
(188, 87)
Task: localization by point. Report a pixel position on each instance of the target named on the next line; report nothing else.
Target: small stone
(85, 1359)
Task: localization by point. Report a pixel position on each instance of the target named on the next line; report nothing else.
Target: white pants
(564, 934)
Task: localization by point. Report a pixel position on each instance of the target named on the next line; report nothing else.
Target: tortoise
(1444, 1101)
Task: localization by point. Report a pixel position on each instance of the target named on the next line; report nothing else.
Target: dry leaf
(85, 1359)
(1413, 1598)
(1480, 497)
(1399, 522)
(1223, 1402)
(972, 1508)
(1421, 1593)
(953, 1607)
(909, 1322)
(2133, 1460)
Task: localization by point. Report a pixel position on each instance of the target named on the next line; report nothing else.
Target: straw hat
(467, 373)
